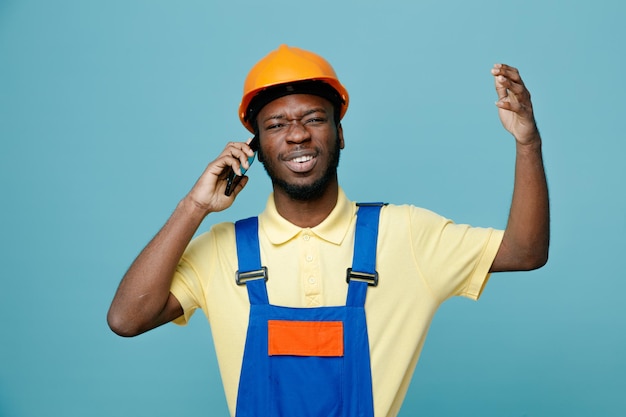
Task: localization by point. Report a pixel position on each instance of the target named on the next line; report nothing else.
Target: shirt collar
(333, 229)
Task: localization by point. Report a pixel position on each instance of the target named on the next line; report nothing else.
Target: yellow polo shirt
(422, 260)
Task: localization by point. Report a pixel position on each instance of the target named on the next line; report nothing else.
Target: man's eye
(315, 120)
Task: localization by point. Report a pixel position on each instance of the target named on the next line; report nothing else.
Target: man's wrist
(531, 142)
(191, 207)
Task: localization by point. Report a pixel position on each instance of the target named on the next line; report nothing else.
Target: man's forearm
(141, 302)
(527, 235)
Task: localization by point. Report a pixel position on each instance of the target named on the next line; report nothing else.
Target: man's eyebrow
(304, 114)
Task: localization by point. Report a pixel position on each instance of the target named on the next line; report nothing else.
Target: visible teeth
(301, 159)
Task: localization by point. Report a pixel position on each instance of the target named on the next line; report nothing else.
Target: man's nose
(297, 132)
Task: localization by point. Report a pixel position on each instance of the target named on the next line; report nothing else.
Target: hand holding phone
(233, 179)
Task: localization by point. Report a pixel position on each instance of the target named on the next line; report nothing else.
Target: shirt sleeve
(211, 257)
(182, 289)
(188, 284)
(454, 259)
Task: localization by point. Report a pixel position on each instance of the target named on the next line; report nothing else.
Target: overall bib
(312, 362)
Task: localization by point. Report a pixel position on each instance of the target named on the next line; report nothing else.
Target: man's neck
(306, 213)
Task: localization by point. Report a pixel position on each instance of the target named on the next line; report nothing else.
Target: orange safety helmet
(288, 65)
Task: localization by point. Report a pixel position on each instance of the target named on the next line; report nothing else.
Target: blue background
(109, 111)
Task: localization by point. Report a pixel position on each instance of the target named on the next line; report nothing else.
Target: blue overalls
(302, 362)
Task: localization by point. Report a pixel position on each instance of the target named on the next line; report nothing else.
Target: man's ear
(259, 154)
(258, 136)
(340, 135)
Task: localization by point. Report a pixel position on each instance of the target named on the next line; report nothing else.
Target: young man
(295, 333)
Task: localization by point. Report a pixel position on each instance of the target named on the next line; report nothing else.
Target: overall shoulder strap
(363, 272)
(250, 271)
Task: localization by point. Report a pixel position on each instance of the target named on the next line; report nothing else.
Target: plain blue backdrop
(109, 111)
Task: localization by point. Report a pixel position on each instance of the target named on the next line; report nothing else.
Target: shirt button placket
(310, 271)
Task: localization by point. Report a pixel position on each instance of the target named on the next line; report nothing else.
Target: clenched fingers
(236, 155)
(512, 93)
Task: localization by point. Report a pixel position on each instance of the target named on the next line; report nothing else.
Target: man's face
(300, 144)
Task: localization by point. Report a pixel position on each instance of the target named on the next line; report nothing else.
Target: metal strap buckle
(243, 277)
(371, 279)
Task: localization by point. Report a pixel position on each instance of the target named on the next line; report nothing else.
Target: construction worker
(320, 306)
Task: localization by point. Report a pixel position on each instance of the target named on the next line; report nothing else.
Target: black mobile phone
(233, 179)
